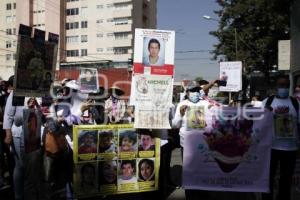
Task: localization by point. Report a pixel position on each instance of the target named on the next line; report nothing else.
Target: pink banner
(231, 154)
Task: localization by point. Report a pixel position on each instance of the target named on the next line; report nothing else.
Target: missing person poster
(152, 97)
(154, 52)
(35, 66)
(232, 153)
(114, 159)
(88, 80)
(231, 76)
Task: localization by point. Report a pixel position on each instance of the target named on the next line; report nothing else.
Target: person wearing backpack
(285, 138)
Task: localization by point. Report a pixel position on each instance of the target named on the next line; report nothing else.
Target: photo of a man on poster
(88, 80)
(146, 142)
(128, 172)
(153, 52)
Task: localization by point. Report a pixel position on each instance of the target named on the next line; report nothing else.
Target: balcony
(123, 43)
(121, 1)
(122, 28)
(122, 13)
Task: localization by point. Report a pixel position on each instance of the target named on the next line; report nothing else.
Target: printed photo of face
(106, 144)
(127, 141)
(108, 172)
(127, 169)
(146, 170)
(153, 52)
(87, 143)
(146, 143)
(88, 174)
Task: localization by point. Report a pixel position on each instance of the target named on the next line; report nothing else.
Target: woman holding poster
(185, 119)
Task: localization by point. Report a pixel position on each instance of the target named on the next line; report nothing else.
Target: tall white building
(92, 32)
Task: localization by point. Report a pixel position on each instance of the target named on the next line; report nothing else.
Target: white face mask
(194, 97)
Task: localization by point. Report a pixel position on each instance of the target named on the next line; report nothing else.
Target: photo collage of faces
(114, 160)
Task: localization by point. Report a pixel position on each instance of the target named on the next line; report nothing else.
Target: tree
(259, 24)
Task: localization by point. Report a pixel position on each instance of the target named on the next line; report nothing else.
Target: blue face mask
(283, 92)
(194, 97)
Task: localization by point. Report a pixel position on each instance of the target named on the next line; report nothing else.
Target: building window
(120, 21)
(84, 38)
(109, 5)
(84, 12)
(99, 49)
(99, 35)
(8, 57)
(99, 6)
(8, 6)
(72, 39)
(109, 49)
(8, 44)
(71, 0)
(99, 21)
(121, 6)
(72, 53)
(72, 25)
(73, 11)
(8, 19)
(110, 20)
(122, 35)
(14, 31)
(120, 50)
(8, 31)
(15, 5)
(83, 52)
(84, 24)
(109, 35)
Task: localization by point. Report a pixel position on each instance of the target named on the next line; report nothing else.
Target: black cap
(10, 81)
(193, 86)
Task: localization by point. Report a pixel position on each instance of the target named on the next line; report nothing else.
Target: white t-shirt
(160, 61)
(285, 135)
(189, 123)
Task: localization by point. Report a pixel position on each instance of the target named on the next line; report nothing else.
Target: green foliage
(259, 25)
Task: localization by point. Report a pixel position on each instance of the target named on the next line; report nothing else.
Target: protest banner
(152, 97)
(231, 154)
(112, 159)
(35, 63)
(88, 80)
(154, 52)
(231, 76)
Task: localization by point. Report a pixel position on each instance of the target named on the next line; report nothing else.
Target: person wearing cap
(115, 107)
(181, 121)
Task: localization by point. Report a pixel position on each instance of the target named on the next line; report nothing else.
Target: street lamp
(207, 17)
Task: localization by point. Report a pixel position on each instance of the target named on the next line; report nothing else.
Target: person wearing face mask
(181, 121)
(285, 140)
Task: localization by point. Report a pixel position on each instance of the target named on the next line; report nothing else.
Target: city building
(93, 33)
(295, 42)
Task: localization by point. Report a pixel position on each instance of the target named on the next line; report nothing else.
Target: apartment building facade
(93, 33)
